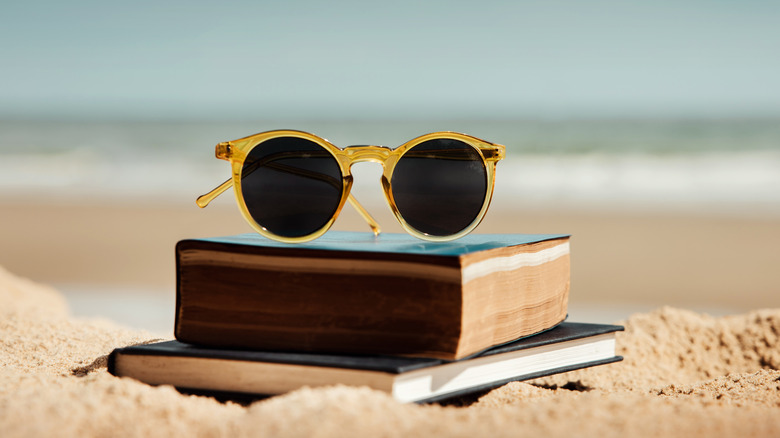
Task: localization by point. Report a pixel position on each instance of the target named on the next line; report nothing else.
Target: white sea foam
(684, 180)
(171, 163)
(724, 181)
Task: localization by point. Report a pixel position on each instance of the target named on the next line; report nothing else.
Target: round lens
(439, 186)
(291, 186)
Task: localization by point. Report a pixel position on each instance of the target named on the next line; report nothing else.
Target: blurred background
(650, 131)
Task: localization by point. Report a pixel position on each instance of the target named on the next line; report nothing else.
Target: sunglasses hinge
(494, 154)
(223, 151)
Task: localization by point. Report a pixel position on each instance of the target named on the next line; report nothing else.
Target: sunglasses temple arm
(363, 212)
(204, 200)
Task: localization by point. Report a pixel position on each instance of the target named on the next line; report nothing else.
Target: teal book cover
(391, 242)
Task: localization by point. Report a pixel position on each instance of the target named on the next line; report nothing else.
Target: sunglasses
(291, 185)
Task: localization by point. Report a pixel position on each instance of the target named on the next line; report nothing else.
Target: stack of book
(423, 321)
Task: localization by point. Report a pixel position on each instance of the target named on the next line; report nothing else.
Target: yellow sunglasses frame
(236, 151)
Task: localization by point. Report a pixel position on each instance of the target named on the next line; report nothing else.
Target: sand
(684, 374)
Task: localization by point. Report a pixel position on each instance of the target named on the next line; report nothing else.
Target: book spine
(345, 306)
(111, 363)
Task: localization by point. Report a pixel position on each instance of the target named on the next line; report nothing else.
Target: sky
(402, 59)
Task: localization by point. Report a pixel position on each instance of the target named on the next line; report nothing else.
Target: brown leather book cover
(357, 293)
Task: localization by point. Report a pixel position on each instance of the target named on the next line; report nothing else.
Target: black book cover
(566, 331)
(563, 335)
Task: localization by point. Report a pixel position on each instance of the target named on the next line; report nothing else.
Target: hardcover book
(351, 292)
(566, 347)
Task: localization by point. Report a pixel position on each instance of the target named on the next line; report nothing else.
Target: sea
(724, 166)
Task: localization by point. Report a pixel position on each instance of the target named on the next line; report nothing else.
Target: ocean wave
(674, 164)
(722, 180)
(635, 179)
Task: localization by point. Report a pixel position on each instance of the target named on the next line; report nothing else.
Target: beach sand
(684, 374)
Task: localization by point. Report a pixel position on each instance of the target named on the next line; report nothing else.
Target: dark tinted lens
(291, 186)
(439, 186)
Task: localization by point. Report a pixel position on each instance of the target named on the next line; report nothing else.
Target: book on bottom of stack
(232, 372)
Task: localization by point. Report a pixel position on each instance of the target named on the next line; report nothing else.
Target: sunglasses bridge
(367, 153)
(362, 154)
